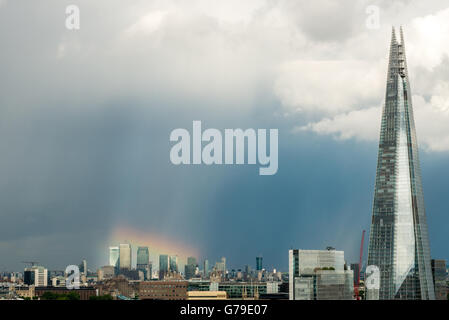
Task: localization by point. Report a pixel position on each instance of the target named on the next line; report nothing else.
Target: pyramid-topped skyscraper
(399, 241)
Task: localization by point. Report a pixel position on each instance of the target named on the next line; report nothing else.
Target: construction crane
(357, 285)
(32, 263)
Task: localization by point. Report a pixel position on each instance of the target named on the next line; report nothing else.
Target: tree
(60, 296)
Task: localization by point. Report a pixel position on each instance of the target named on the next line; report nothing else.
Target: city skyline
(85, 123)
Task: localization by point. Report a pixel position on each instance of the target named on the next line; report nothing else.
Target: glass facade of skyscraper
(163, 265)
(114, 256)
(399, 244)
(125, 256)
(259, 265)
(439, 279)
(319, 275)
(143, 261)
(173, 263)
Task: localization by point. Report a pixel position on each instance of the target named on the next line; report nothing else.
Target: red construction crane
(356, 287)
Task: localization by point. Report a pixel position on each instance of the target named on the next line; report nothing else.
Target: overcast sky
(86, 115)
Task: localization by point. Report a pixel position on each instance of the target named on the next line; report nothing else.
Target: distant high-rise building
(439, 274)
(36, 275)
(83, 267)
(248, 271)
(259, 263)
(114, 257)
(143, 256)
(191, 260)
(143, 262)
(190, 267)
(319, 275)
(125, 256)
(163, 266)
(173, 264)
(399, 241)
(221, 266)
(206, 268)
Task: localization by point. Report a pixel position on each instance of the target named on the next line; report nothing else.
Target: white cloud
(148, 23)
(432, 123)
(346, 107)
(363, 125)
(428, 39)
(329, 87)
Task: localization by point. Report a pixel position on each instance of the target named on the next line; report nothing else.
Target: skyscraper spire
(399, 243)
(393, 35)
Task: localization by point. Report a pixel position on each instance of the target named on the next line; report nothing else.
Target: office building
(319, 275)
(163, 290)
(399, 241)
(118, 286)
(190, 268)
(125, 256)
(114, 257)
(83, 267)
(439, 276)
(173, 267)
(163, 266)
(143, 262)
(206, 268)
(36, 275)
(105, 272)
(234, 290)
(259, 265)
(220, 266)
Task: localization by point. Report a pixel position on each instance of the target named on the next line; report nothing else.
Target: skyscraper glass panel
(399, 242)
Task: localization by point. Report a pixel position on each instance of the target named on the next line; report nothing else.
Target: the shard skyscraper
(399, 242)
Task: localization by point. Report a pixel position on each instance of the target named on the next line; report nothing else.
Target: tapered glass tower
(399, 242)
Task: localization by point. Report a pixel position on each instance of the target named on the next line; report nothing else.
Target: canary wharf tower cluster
(399, 241)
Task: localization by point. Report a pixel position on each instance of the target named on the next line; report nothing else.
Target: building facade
(206, 268)
(190, 268)
(114, 257)
(105, 272)
(173, 264)
(259, 263)
(36, 275)
(163, 266)
(163, 290)
(143, 262)
(439, 275)
(399, 242)
(207, 295)
(319, 275)
(125, 256)
(234, 290)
